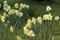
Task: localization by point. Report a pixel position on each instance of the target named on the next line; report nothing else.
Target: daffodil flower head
(45, 17)
(39, 19)
(57, 17)
(3, 18)
(20, 14)
(29, 21)
(48, 8)
(26, 30)
(11, 29)
(49, 17)
(16, 5)
(18, 38)
(33, 20)
(31, 33)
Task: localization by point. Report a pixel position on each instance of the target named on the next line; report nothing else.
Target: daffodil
(49, 17)
(57, 17)
(29, 21)
(23, 6)
(5, 2)
(31, 33)
(26, 6)
(11, 29)
(26, 30)
(7, 8)
(17, 12)
(39, 19)
(33, 20)
(28, 25)
(45, 17)
(3, 18)
(16, 5)
(11, 11)
(20, 14)
(18, 38)
(48, 8)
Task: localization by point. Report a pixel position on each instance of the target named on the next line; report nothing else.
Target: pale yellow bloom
(45, 17)
(29, 21)
(20, 14)
(28, 25)
(3, 18)
(19, 38)
(11, 12)
(39, 19)
(48, 8)
(49, 17)
(11, 29)
(31, 33)
(26, 30)
(17, 12)
(26, 6)
(23, 6)
(7, 8)
(57, 17)
(16, 5)
(5, 2)
(33, 20)
(5, 14)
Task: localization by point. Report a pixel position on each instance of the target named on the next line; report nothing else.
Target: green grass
(37, 9)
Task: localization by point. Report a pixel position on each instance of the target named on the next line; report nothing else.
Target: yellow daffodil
(31, 33)
(11, 29)
(45, 17)
(33, 20)
(20, 14)
(49, 17)
(57, 17)
(7, 8)
(29, 21)
(3, 18)
(25, 30)
(17, 12)
(18, 38)
(11, 12)
(16, 5)
(48, 8)
(39, 19)
(23, 6)
(5, 2)
(27, 6)
(28, 25)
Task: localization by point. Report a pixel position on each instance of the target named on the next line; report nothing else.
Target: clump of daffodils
(57, 17)
(47, 17)
(6, 7)
(18, 38)
(28, 32)
(23, 6)
(48, 8)
(11, 29)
